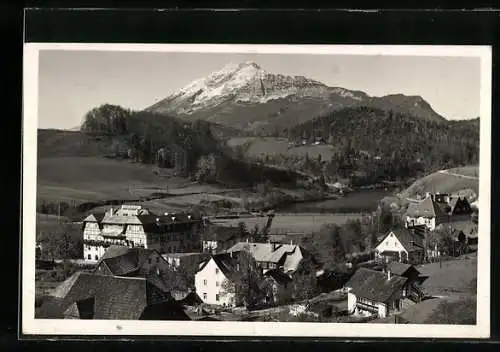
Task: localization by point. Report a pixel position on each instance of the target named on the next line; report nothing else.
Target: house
(402, 245)
(91, 296)
(177, 260)
(271, 255)
(427, 213)
(135, 226)
(412, 288)
(210, 278)
(453, 205)
(280, 287)
(131, 262)
(374, 292)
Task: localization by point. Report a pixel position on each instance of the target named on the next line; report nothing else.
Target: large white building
(135, 226)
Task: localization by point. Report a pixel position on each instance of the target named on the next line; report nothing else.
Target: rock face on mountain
(247, 97)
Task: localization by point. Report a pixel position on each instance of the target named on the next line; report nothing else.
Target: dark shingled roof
(401, 268)
(374, 285)
(116, 298)
(123, 260)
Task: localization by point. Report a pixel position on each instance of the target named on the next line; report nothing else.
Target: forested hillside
(374, 144)
(192, 149)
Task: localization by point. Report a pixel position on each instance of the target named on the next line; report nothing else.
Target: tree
(304, 281)
(245, 283)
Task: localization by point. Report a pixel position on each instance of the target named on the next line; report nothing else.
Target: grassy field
(306, 223)
(451, 278)
(259, 146)
(94, 178)
(444, 183)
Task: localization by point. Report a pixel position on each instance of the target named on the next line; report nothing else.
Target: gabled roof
(374, 285)
(408, 238)
(400, 268)
(122, 260)
(94, 217)
(117, 298)
(426, 208)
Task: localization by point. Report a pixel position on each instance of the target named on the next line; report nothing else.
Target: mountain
(246, 97)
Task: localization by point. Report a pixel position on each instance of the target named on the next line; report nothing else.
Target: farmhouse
(412, 288)
(271, 255)
(402, 245)
(131, 262)
(211, 276)
(135, 226)
(427, 213)
(90, 296)
(375, 292)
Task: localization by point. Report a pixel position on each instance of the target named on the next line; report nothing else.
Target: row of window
(205, 282)
(365, 301)
(217, 297)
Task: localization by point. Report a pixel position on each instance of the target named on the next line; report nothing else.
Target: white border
(263, 329)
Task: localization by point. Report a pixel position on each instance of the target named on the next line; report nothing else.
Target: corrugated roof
(374, 285)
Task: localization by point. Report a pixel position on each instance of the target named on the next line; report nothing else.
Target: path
(447, 172)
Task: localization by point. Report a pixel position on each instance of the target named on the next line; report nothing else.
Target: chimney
(388, 275)
(231, 254)
(291, 242)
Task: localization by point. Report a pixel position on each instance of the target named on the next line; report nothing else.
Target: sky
(73, 82)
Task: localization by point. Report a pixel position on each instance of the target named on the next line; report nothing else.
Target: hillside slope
(246, 97)
(449, 181)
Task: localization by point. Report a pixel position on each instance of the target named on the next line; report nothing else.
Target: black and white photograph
(256, 190)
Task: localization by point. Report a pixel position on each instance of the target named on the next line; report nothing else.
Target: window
(96, 257)
(204, 282)
(216, 271)
(149, 260)
(217, 297)
(204, 296)
(217, 283)
(89, 257)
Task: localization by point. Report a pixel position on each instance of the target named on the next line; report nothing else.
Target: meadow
(307, 223)
(450, 278)
(444, 182)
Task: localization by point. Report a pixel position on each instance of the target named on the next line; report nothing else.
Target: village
(140, 265)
